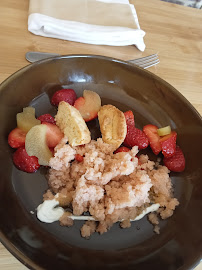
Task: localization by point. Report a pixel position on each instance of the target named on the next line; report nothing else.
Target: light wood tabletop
(172, 31)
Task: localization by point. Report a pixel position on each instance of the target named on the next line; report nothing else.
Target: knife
(36, 56)
(143, 62)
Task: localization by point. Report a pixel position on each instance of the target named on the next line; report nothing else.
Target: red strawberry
(67, 95)
(46, 118)
(53, 135)
(168, 144)
(176, 163)
(79, 103)
(122, 149)
(16, 138)
(79, 158)
(87, 112)
(24, 162)
(134, 137)
(129, 118)
(152, 135)
(88, 105)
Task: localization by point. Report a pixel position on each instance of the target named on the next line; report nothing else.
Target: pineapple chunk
(26, 119)
(35, 144)
(164, 131)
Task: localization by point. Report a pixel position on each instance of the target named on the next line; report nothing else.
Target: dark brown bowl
(49, 246)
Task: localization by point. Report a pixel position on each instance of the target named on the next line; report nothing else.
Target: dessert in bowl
(125, 87)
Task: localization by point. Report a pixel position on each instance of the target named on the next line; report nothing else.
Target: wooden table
(172, 31)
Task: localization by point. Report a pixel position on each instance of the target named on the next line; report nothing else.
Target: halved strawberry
(130, 121)
(46, 118)
(122, 149)
(79, 103)
(88, 105)
(79, 158)
(168, 144)
(53, 134)
(24, 162)
(16, 138)
(176, 163)
(134, 137)
(67, 95)
(153, 137)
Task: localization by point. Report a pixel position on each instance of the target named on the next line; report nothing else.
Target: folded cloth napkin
(100, 22)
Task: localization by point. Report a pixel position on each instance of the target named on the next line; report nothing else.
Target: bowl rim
(102, 57)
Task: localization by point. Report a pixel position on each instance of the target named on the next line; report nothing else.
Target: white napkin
(100, 22)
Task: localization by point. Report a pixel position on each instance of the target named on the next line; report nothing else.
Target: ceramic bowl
(154, 101)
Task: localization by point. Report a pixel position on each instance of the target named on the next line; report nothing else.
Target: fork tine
(143, 59)
(149, 64)
(147, 61)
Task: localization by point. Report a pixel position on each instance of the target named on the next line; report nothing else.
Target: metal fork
(143, 62)
(147, 61)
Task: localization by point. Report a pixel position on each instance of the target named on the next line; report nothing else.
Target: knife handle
(36, 56)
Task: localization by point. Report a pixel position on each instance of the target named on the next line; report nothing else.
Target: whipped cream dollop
(48, 212)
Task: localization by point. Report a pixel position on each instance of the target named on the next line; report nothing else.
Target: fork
(143, 62)
(147, 61)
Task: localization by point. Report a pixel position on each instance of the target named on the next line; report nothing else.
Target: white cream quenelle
(48, 212)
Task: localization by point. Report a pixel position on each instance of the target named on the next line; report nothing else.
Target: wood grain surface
(172, 31)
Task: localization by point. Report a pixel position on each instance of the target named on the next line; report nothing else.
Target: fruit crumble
(99, 181)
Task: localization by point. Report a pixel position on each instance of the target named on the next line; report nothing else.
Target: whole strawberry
(176, 163)
(24, 162)
(67, 95)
